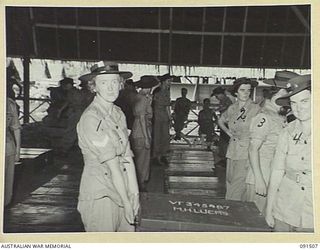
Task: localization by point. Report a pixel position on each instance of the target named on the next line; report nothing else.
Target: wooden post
(222, 36)
(170, 40)
(203, 28)
(98, 35)
(77, 33)
(159, 35)
(26, 89)
(34, 37)
(244, 29)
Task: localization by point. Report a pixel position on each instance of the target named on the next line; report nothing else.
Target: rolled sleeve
(278, 162)
(97, 140)
(225, 115)
(259, 128)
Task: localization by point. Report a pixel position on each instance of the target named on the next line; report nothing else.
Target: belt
(301, 177)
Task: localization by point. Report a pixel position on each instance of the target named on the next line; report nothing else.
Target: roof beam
(167, 31)
(222, 36)
(244, 29)
(159, 35)
(301, 17)
(77, 32)
(203, 27)
(170, 38)
(34, 37)
(57, 27)
(98, 34)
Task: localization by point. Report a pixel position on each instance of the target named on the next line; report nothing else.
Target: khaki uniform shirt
(239, 120)
(161, 102)
(142, 107)
(294, 203)
(102, 136)
(12, 123)
(266, 127)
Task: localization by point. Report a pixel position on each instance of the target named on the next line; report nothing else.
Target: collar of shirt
(110, 111)
(245, 106)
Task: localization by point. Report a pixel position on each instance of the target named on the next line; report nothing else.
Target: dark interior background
(255, 36)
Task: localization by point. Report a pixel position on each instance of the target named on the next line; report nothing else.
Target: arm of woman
(275, 180)
(221, 122)
(260, 185)
(17, 137)
(133, 189)
(277, 173)
(143, 125)
(119, 184)
(16, 128)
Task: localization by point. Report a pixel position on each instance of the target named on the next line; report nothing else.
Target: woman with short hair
(108, 196)
(235, 122)
(290, 202)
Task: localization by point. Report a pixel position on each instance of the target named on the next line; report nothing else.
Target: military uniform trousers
(141, 159)
(161, 137)
(9, 178)
(237, 171)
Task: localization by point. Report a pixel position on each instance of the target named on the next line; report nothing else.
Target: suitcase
(188, 213)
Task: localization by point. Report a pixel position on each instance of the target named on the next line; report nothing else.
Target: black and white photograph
(163, 118)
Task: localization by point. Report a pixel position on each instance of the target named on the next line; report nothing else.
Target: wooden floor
(46, 196)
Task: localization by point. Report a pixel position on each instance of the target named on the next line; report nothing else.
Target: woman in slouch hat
(235, 122)
(108, 196)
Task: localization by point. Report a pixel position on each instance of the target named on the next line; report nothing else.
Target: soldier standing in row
(290, 202)
(108, 196)
(181, 111)
(142, 128)
(161, 121)
(264, 132)
(238, 118)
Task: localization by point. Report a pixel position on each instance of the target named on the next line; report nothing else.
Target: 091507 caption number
(309, 245)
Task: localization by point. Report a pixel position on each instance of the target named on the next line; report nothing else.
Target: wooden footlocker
(191, 152)
(38, 158)
(191, 157)
(173, 213)
(189, 169)
(191, 161)
(186, 147)
(195, 185)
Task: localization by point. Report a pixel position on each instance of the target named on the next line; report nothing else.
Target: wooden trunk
(173, 212)
(216, 193)
(191, 152)
(191, 161)
(191, 157)
(186, 147)
(175, 169)
(38, 158)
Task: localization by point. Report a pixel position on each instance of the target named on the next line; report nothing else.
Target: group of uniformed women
(268, 160)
